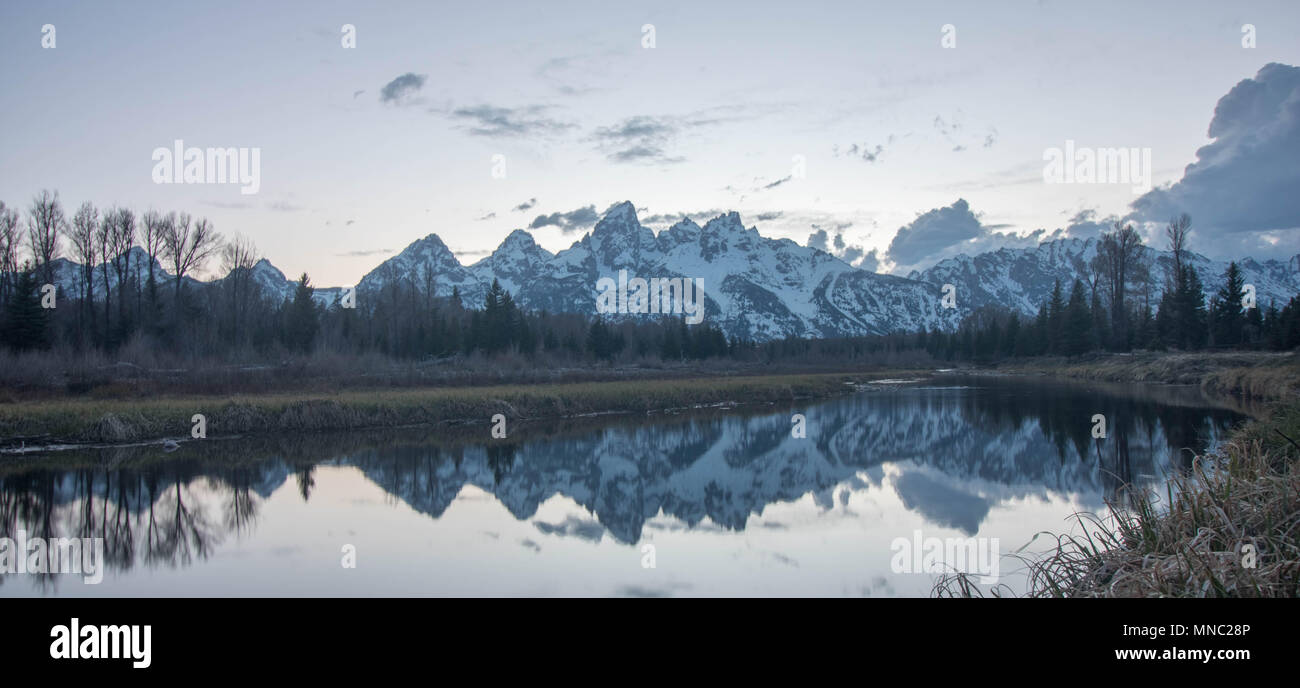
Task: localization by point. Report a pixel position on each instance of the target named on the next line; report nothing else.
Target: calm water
(730, 501)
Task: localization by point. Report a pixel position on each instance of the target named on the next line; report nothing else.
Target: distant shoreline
(79, 420)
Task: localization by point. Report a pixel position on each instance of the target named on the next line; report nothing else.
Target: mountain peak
(519, 238)
(624, 211)
(728, 222)
(620, 227)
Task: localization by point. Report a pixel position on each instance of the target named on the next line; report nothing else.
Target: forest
(118, 304)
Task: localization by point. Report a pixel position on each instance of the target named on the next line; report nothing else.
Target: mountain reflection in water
(943, 454)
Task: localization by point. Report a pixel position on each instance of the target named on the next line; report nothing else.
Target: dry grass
(1245, 375)
(1245, 496)
(124, 420)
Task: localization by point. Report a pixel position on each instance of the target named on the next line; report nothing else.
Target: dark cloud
(356, 254)
(1246, 179)
(778, 182)
(944, 232)
(489, 216)
(767, 217)
(933, 232)
(400, 88)
(525, 206)
(491, 121)
(572, 221)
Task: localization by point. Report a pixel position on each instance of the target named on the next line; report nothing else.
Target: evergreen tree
(303, 321)
(1228, 322)
(25, 322)
(1078, 322)
(1056, 321)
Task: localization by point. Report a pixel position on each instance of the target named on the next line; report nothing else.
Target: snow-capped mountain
(1023, 278)
(754, 287)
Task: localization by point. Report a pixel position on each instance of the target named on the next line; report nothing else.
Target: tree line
(119, 299)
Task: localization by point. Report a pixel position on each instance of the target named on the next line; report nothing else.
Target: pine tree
(303, 321)
(1078, 322)
(1228, 319)
(1056, 321)
(25, 322)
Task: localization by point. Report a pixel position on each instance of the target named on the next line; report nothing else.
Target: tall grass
(1229, 527)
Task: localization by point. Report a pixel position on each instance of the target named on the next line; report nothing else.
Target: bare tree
(238, 257)
(84, 223)
(1177, 232)
(1118, 260)
(123, 239)
(9, 245)
(154, 225)
(188, 248)
(45, 220)
(104, 239)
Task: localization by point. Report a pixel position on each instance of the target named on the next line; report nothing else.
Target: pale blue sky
(716, 111)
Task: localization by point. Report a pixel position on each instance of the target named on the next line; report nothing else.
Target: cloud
(399, 89)
(362, 254)
(1085, 225)
(492, 121)
(283, 207)
(572, 221)
(489, 216)
(778, 182)
(357, 93)
(934, 231)
(767, 217)
(865, 151)
(525, 206)
(572, 526)
(639, 139)
(1245, 180)
(945, 232)
(674, 218)
(853, 254)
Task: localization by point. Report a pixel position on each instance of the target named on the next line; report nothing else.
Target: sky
(892, 134)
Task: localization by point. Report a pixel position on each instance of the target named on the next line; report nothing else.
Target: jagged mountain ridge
(1023, 278)
(755, 287)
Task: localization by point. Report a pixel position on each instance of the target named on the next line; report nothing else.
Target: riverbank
(1230, 527)
(85, 421)
(1260, 376)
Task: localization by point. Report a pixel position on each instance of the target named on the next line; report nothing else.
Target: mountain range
(755, 287)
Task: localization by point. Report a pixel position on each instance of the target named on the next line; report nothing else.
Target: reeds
(1229, 527)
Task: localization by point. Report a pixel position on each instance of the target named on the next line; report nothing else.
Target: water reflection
(955, 449)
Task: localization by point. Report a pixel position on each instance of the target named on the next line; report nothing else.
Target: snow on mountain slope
(754, 287)
(1023, 278)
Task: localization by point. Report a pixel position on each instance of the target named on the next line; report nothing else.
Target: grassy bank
(127, 420)
(1231, 529)
(1245, 375)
